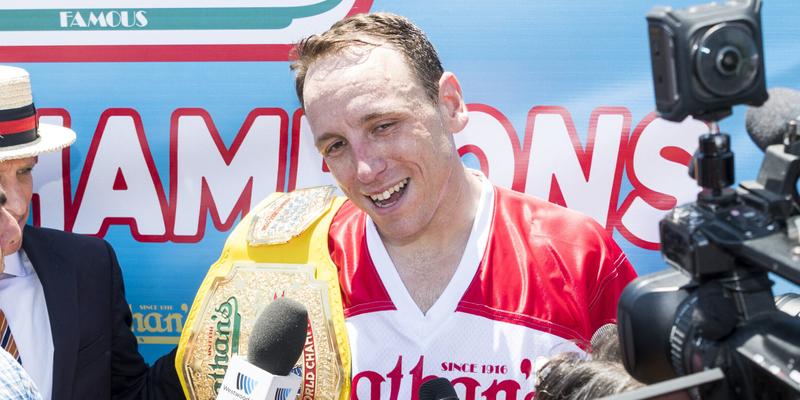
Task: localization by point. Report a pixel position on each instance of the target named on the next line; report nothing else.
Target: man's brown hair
(389, 28)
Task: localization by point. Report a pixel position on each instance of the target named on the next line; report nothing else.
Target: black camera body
(715, 309)
(706, 59)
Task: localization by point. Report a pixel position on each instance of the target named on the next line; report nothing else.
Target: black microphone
(275, 345)
(768, 124)
(437, 389)
(278, 336)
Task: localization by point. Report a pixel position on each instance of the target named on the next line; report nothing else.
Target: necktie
(7, 339)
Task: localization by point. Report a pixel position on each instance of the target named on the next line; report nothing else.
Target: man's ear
(451, 103)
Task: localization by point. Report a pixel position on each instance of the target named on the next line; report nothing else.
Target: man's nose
(10, 231)
(369, 164)
(15, 202)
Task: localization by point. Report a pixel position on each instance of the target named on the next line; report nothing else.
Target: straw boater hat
(21, 135)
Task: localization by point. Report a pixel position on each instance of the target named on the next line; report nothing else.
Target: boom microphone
(276, 343)
(768, 124)
(437, 389)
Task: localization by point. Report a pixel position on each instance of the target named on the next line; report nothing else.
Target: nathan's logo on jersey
(98, 19)
(224, 339)
(474, 368)
(478, 381)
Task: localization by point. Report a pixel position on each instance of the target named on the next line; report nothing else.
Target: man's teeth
(385, 195)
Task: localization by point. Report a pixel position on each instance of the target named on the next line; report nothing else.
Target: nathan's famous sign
(94, 30)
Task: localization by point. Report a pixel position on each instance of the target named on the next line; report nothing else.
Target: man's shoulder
(347, 218)
(541, 216)
(347, 229)
(58, 238)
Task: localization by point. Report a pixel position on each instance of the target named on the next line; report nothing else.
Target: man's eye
(25, 171)
(334, 147)
(383, 127)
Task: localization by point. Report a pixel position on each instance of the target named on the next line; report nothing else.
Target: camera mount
(716, 309)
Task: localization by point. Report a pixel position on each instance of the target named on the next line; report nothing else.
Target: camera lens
(726, 59)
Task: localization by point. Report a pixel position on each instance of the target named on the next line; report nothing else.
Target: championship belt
(280, 249)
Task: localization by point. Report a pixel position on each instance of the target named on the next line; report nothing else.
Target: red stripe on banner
(146, 53)
(17, 126)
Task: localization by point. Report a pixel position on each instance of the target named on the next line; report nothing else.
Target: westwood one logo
(103, 19)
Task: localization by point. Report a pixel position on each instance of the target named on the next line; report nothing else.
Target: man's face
(10, 232)
(384, 141)
(17, 183)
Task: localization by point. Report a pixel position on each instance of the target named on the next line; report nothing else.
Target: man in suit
(62, 294)
(14, 381)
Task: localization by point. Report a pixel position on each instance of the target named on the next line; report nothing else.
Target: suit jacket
(95, 352)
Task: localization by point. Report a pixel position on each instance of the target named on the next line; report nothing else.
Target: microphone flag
(245, 381)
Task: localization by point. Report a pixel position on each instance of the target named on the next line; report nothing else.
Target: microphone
(605, 344)
(276, 343)
(768, 124)
(437, 389)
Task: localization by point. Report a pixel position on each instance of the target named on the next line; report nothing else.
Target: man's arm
(130, 376)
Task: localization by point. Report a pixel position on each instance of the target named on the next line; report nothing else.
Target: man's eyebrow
(324, 137)
(372, 116)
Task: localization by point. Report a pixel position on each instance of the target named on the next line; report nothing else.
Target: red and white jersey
(535, 280)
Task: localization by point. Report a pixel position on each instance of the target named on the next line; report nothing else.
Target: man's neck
(427, 264)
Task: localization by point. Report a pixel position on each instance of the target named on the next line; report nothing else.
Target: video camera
(715, 310)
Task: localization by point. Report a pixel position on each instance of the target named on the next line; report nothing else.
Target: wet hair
(383, 28)
(569, 377)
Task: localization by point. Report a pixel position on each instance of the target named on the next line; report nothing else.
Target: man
(15, 384)
(62, 294)
(441, 273)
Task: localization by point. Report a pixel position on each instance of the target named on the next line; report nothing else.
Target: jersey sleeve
(613, 274)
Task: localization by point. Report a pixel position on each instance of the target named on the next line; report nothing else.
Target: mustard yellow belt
(279, 249)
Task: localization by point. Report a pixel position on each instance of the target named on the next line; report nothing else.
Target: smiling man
(441, 273)
(429, 269)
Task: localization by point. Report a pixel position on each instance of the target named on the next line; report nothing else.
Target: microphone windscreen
(278, 336)
(437, 389)
(605, 344)
(768, 124)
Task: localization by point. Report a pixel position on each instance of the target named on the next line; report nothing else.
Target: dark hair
(393, 29)
(568, 377)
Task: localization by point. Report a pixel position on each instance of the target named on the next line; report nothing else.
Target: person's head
(569, 377)
(23, 139)
(372, 30)
(382, 115)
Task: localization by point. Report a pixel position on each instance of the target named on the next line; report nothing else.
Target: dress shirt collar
(14, 266)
